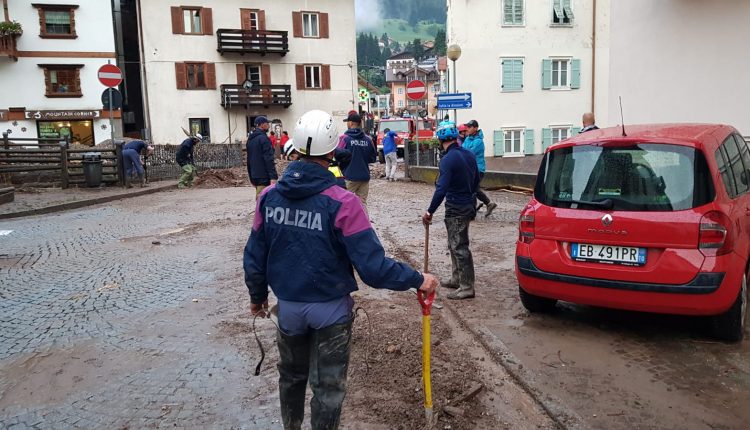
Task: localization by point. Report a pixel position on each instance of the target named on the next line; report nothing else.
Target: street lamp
(454, 53)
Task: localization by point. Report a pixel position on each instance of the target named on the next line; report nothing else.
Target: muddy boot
(490, 207)
(462, 293)
(127, 182)
(328, 365)
(142, 181)
(294, 360)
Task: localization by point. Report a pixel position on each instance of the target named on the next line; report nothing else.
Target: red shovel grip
(426, 302)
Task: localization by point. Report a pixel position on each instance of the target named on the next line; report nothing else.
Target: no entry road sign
(416, 90)
(454, 101)
(110, 75)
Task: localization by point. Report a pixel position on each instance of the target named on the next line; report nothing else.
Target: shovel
(426, 303)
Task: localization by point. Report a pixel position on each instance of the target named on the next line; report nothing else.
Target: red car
(657, 220)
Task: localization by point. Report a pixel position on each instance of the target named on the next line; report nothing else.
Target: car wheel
(536, 304)
(730, 325)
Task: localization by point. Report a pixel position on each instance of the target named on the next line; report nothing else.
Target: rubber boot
(294, 362)
(142, 181)
(127, 182)
(329, 362)
(490, 207)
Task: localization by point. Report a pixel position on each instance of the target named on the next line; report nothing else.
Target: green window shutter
(508, 12)
(528, 137)
(507, 75)
(575, 73)
(575, 131)
(557, 6)
(567, 9)
(546, 74)
(546, 138)
(498, 143)
(518, 74)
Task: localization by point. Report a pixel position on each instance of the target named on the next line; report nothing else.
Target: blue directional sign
(454, 101)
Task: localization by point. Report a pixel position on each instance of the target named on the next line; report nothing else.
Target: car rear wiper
(604, 204)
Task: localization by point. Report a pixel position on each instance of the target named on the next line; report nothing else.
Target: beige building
(217, 65)
(400, 70)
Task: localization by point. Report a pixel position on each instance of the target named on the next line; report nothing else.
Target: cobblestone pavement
(97, 298)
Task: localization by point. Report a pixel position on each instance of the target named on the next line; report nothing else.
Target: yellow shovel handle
(426, 363)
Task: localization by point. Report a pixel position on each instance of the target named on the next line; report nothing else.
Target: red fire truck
(406, 129)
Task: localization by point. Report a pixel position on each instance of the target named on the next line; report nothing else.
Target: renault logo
(607, 220)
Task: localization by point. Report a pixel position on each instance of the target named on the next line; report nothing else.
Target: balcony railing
(259, 95)
(252, 41)
(8, 46)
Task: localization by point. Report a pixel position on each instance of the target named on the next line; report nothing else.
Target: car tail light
(526, 225)
(715, 234)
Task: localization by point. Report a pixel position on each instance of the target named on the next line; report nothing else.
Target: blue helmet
(446, 131)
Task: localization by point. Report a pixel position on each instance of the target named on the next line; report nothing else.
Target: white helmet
(288, 148)
(315, 133)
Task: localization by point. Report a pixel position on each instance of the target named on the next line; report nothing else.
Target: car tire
(730, 325)
(537, 304)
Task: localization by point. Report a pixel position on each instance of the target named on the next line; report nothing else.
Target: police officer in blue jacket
(458, 184)
(308, 237)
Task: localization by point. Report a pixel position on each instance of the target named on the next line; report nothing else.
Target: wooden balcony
(8, 47)
(252, 42)
(261, 95)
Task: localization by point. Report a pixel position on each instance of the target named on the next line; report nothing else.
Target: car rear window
(639, 177)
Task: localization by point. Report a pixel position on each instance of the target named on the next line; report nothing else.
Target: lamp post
(454, 53)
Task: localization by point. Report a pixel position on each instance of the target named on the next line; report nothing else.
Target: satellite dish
(247, 85)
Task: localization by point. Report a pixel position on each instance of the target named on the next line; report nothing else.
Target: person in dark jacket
(589, 122)
(474, 142)
(260, 156)
(308, 237)
(184, 158)
(363, 151)
(131, 156)
(458, 184)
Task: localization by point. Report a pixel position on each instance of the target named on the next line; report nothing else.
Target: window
(733, 159)
(562, 12)
(310, 25)
(312, 77)
(252, 73)
(561, 73)
(639, 177)
(196, 76)
(62, 80)
(253, 19)
(512, 74)
(513, 12)
(191, 21)
(56, 21)
(401, 90)
(200, 126)
(560, 133)
(400, 103)
(512, 141)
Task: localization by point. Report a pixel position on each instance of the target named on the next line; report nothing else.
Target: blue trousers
(132, 161)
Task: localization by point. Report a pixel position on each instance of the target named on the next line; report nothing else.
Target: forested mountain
(414, 11)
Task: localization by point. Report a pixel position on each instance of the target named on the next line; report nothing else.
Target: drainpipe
(144, 81)
(5, 10)
(593, 57)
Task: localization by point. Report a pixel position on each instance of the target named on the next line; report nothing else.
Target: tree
(440, 45)
(417, 49)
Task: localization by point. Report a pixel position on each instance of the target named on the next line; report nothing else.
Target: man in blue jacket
(131, 156)
(261, 167)
(390, 154)
(307, 238)
(186, 160)
(457, 184)
(357, 173)
(474, 142)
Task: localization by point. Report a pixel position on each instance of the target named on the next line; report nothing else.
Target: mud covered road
(134, 315)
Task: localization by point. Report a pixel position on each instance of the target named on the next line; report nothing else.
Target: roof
(401, 56)
(667, 133)
(370, 88)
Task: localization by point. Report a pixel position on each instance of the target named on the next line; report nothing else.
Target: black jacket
(260, 165)
(185, 152)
